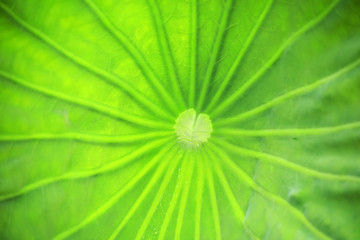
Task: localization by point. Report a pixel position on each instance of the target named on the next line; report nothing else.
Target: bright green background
(89, 94)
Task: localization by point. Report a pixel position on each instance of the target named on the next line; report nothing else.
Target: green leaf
(189, 119)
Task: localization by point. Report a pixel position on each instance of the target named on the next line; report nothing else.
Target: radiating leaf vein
(98, 107)
(239, 92)
(87, 173)
(113, 200)
(214, 54)
(224, 83)
(111, 78)
(166, 51)
(138, 57)
(289, 95)
(286, 132)
(269, 195)
(287, 164)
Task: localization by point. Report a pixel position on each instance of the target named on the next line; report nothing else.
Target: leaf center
(193, 130)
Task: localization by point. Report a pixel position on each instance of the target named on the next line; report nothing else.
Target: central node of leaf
(193, 130)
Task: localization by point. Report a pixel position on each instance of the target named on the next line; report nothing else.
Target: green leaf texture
(90, 91)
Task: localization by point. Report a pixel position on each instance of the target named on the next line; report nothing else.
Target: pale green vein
(111, 78)
(294, 93)
(184, 199)
(174, 199)
(215, 52)
(113, 200)
(87, 173)
(82, 137)
(235, 65)
(150, 186)
(164, 183)
(213, 200)
(166, 51)
(199, 195)
(101, 108)
(285, 132)
(229, 193)
(193, 50)
(239, 92)
(138, 57)
(276, 199)
(285, 163)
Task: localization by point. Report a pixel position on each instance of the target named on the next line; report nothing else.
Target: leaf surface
(90, 93)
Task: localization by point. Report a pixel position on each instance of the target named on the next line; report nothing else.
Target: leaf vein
(282, 98)
(135, 53)
(269, 195)
(85, 173)
(286, 132)
(239, 56)
(100, 108)
(285, 163)
(214, 54)
(239, 93)
(113, 200)
(111, 78)
(166, 51)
